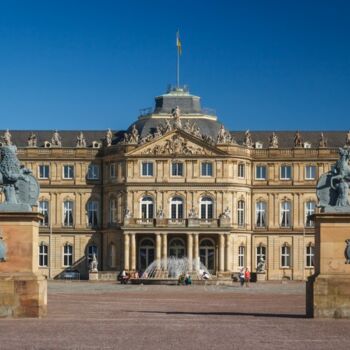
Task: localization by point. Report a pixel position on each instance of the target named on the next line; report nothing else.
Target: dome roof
(190, 112)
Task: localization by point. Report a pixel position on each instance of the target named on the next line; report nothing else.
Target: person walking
(247, 277)
(241, 276)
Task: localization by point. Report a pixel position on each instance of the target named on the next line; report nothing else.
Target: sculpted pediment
(176, 143)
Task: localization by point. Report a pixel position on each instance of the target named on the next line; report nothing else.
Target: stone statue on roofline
(32, 140)
(323, 142)
(6, 139)
(298, 142)
(176, 115)
(248, 139)
(20, 187)
(56, 140)
(333, 187)
(347, 140)
(108, 138)
(81, 142)
(273, 141)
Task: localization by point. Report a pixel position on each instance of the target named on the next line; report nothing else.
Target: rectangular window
(285, 214)
(309, 210)
(310, 254)
(260, 214)
(241, 170)
(240, 213)
(286, 172)
(68, 171)
(310, 172)
(43, 255)
(68, 255)
(241, 256)
(44, 210)
(207, 169)
(93, 172)
(285, 256)
(176, 169)
(260, 173)
(44, 171)
(112, 170)
(68, 213)
(147, 169)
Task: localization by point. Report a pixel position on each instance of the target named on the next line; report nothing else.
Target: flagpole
(177, 63)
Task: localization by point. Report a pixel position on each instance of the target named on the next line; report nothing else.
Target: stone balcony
(177, 223)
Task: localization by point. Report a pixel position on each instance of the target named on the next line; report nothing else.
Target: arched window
(309, 210)
(241, 256)
(147, 208)
(285, 256)
(44, 210)
(112, 211)
(206, 205)
(241, 213)
(207, 254)
(310, 255)
(260, 214)
(146, 253)
(67, 255)
(176, 208)
(285, 214)
(177, 248)
(92, 210)
(68, 213)
(260, 253)
(43, 255)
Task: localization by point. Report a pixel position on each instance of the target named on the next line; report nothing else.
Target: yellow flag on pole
(178, 43)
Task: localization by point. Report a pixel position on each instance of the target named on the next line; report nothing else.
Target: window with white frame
(310, 255)
(241, 256)
(92, 211)
(93, 172)
(147, 169)
(44, 210)
(286, 172)
(310, 172)
(67, 255)
(309, 210)
(260, 172)
(285, 256)
(112, 211)
(68, 213)
(285, 214)
(260, 214)
(260, 253)
(177, 169)
(176, 208)
(206, 205)
(68, 171)
(207, 169)
(147, 208)
(241, 213)
(43, 255)
(112, 171)
(44, 171)
(241, 170)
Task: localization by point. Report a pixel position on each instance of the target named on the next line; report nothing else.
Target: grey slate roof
(208, 127)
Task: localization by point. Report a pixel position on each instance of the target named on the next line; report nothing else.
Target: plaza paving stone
(85, 315)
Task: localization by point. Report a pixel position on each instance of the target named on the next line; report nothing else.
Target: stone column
(133, 251)
(228, 265)
(126, 251)
(189, 249)
(165, 246)
(158, 249)
(221, 252)
(196, 250)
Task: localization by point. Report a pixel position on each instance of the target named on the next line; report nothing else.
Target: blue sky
(277, 65)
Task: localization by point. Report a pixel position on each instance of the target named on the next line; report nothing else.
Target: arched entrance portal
(177, 248)
(146, 253)
(207, 254)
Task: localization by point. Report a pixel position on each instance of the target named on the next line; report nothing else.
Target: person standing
(247, 277)
(241, 276)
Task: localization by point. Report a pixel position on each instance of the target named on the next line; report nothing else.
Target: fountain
(168, 271)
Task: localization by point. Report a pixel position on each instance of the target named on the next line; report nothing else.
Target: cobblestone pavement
(85, 315)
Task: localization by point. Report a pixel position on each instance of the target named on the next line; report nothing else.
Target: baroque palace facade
(176, 183)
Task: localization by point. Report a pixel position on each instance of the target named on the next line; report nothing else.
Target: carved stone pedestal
(93, 276)
(328, 291)
(260, 276)
(23, 290)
